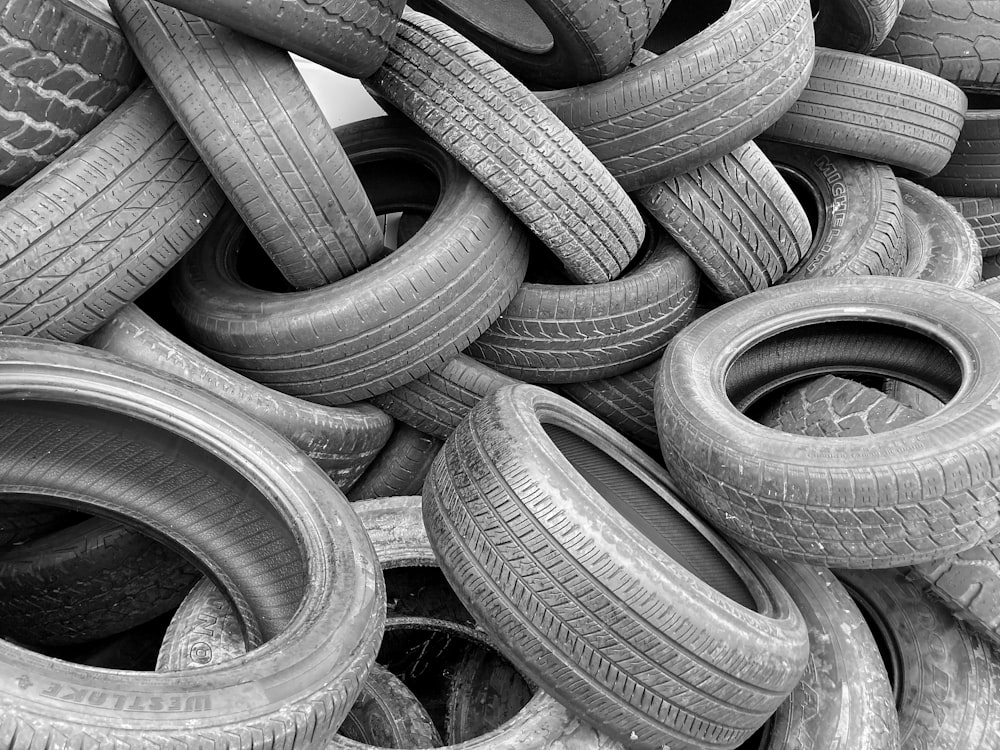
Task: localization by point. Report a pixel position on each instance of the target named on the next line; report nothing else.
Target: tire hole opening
(805, 193)
(888, 646)
(681, 21)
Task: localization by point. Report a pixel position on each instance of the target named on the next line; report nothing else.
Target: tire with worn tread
(400, 467)
(941, 245)
(569, 547)
(64, 67)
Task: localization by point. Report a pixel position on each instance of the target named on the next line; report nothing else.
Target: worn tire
(500, 131)
(386, 325)
(568, 546)
(342, 441)
(698, 101)
(400, 467)
(94, 229)
(864, 502)
(259, 130)
(941, 245)
(736, 218)
(854, 25)
(983, 214)
(973, 170)
(22, 520)
(258, 515)
(64, 67)
(875, 109)
(858, 208)
(624, 401)
(486, 692)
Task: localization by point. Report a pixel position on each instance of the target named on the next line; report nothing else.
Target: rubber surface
(64, 67)
(974, 167)
(500, 132)
(486, 692)
(941, 245)
(258, 128)
(699, 100)
(624, 401)
(983, 214)
(400, 467)
(97, 227)
(875, 109)
(854, 25)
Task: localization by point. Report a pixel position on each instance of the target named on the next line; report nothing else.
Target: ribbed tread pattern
(736, 218)
(699, 101)
(974, 168)
(64, 67)
(400, 468)
(259, 130)
(875, 109)
(499, 130)
(941, 245)
(96, 228)
(983, 214)
(958, 40)
(624, 401)
(552, 333)
(436, 402)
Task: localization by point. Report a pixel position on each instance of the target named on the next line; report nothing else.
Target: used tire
(858, 503)
(386, 325)
(854, 25)
(624, 401)
(485, 693)
(621, 593)
(983, 214)
(875, 109)
(974, 167)
(940, 244)
(259, 130)
(64, 67)
(400, 467)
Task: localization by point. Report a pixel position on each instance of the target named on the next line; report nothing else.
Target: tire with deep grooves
(400, 467)
(974, 167)
(94, 229)
(228, 475)
(940, 244)
(542, 517)
(64, 67)
(499, 130)
(258, 128)
(624, 401)
(983, 214)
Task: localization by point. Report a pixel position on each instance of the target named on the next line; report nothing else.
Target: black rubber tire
(983, 214)
(22, 520)
(257, 127)
(940, 244)
(436, 402)
(991, 267)
(844, 699)
(974, 168)
(400, 468)
(486, 692)
(554, 333)
(260, 517)
(697, 649)
(388, 714)
(624, 401)
(875, 109)
(64, 67)
(553, 43)
(350, 36)
(88, 581)
(854, 25)
(94, 229)
(946, 678)
(696, 102)
(912, 397)
(507, 138)
(736, 218)
(342, 441)
(133, 649)
(858, 209)
(864, 502)
(955, 39)
(208, 632)
(386, 325)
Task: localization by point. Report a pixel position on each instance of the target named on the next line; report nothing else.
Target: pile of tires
(632, 382)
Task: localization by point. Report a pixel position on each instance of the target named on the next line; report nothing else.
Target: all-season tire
(384, 326)
(875, 109)
(64, 67)
(854, 25)
(624, 401)
(940, 244)
(261, 519)
(620, 592)
(94, 229)
(863, 502)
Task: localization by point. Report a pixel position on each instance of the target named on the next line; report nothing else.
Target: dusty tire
(228, 475)
(940, 244)
(532, 482)
(973, 170)
(736, 218)
(399, 468)
(64, 67)
(386, 325)
(95, 228)
(854, 25)
(624, 401)
(500, 132)
(858, 209)
(875, 109)
(863, 502)
(983, 214)
(342, 441)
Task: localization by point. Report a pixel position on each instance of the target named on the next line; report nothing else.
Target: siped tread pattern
(436, 402)
(875, 109)
(983, 214)
(500, 131)
(941, 245)
(624, 401)
(699, 101)
(736, 217)
(400, 468)
(97, 227)
(259, 130)
(974, 168)
(958, 40)
(64, 67)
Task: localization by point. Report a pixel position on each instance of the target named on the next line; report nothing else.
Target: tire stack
(549, 410)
